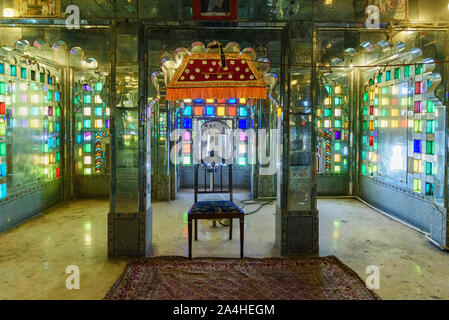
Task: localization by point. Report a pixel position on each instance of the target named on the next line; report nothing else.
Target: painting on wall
(215, 9)
(391, 9)
(38, 8)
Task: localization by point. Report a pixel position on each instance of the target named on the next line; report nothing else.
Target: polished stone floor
(34, 256)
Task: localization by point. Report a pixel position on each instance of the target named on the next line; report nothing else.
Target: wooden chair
(214, 210)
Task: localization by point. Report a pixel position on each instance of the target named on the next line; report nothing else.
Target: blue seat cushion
(205, 207)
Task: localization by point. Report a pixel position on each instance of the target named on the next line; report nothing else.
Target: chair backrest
(212, 173)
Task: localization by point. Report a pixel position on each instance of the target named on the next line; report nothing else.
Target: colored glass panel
(187, 111)
(243, 112)
(187, 123)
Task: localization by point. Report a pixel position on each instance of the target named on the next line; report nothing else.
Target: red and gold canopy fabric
(201, 76)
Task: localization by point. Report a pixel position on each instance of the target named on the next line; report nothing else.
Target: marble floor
(34, 256)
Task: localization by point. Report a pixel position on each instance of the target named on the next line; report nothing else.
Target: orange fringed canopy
(201, 76)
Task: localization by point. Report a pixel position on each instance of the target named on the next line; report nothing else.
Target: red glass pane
(371, 140)
(418, 87)
(2, 108)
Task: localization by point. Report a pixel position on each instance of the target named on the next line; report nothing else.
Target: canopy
(201, 76)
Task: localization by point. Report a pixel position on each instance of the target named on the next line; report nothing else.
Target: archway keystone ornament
(203, 77)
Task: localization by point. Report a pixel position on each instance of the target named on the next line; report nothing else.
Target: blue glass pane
(233, 100)
(417, 146)
(243, 124)
(198, 100)
(187, 123)
(3, 170)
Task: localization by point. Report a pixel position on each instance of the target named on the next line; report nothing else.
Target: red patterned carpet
(177, 278)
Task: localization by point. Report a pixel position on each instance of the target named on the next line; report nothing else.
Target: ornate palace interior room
(224, 149)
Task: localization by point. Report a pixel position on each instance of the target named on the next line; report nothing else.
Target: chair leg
(196, 229)
(230, 229)
(241, 236)
(189, 227)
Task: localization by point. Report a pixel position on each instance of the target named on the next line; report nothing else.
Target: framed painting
(390, 10)
(38, 8)
(214, 9)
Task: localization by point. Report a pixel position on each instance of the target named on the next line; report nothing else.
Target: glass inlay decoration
(92, 123)
(398, 129)
(31, 110)
(234, 112)
(332, 124)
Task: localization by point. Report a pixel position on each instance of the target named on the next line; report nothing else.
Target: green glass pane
(364, 169)
(418, 69)
(397, 73)
(58, 157)
(430, 126)
(430, 147)
(363, 154)
(13, 70)
(406, 71)
(42, 78)
(429, 170)
(337, 124)
(388, 76)
(337, 146)
(379, 78)
(365, 97)
(98, 86)
(364, 124)
(430, 106)
(2, 149)
(2, 88)
(58, 112)
(50, 95)
(327, 112)
(87, 98)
